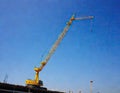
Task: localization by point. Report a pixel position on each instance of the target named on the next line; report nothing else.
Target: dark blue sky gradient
(28, 28)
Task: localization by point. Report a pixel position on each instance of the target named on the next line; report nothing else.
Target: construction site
(59, 46)
(36, 85)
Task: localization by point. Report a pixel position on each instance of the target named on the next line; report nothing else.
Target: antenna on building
(5, 78)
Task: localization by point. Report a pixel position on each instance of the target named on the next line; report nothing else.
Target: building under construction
(10, 88)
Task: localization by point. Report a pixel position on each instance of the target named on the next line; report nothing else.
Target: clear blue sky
(28, 28)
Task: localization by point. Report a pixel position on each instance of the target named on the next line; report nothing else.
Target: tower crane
(36, 82)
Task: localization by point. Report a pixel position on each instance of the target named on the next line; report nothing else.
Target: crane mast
(36, 81)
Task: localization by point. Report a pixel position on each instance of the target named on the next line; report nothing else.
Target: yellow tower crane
(36, 82)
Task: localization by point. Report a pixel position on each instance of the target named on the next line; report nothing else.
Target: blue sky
(28, 28)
